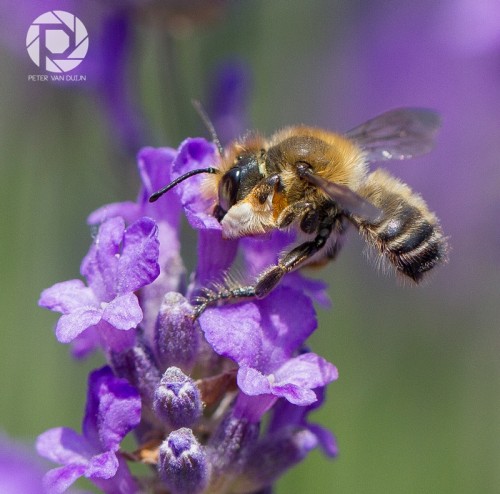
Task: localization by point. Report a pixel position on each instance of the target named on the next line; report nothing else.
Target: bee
(318, 183)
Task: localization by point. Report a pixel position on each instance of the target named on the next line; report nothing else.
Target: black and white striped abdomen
(408, 235)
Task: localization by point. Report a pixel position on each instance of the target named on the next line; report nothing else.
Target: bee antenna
(208, 124)
(154, 197)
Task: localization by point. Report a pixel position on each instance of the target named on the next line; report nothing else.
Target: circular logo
(57, 41)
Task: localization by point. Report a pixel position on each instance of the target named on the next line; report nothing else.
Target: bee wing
(397, 134)
(346, 198)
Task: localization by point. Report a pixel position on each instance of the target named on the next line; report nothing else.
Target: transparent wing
(346, 198)
(397, 134)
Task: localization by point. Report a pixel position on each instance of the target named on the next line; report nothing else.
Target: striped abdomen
(408, 235)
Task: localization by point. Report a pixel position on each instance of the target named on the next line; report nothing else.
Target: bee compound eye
(228, 188)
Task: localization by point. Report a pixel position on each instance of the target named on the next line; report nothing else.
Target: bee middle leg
(291, 261)
(270, 277)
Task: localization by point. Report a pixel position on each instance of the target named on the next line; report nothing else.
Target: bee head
(237, 183)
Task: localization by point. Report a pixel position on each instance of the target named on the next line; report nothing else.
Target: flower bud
(275, 454)
(182, 463)
(177, 333)
(177, 399)
(231, 444)
(137, 365)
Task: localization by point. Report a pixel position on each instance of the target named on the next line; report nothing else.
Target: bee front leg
(305, 210)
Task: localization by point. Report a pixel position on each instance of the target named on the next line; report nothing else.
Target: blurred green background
(417, 406)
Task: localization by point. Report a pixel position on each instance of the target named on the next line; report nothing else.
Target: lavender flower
(205, 384)
(119, 262)
(113, 409)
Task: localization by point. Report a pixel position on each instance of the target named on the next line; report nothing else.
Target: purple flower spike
(182, 464)
(119, 263)
(113, 410)
(262, 338)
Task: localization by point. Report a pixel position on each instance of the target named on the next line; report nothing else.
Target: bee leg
(301, 209)
(291, 261)
(266, 187)
(212, 297)
(270, 277)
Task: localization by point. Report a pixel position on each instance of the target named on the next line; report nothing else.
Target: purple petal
(113, 410)
(119, 411)
(123, 312)
(138, 263)
(195, 153)
(294, 381)
(233, 331)
(276, 453)
(252, 408)
(129, 211)
(115, 340)
(122, 482)
(59, 479)
(288, 319)
(101, 263)
(64, 446)
(85, 343)
(260, 252)
(286, 415)
(215, 256)
(307, 370)
(155, 168)
(71, 325)
(326, 439)
(296, 395)
(262, 334)
(67, 296)
(252, 382)
(102, 466)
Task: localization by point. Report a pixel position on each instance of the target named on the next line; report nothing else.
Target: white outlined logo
(57, 41)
